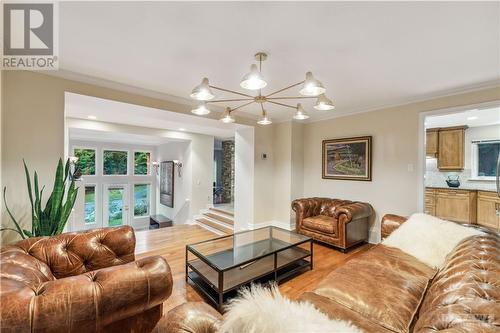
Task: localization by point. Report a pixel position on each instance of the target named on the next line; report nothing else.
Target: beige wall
(395, 133)
(33, 129)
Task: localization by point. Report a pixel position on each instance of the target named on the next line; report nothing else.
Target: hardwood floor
(171, 242)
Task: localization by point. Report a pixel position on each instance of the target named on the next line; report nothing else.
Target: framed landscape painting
(167, 183)
(348, 158)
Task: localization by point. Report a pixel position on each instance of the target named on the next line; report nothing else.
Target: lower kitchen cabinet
(488, 209)
(456, 205)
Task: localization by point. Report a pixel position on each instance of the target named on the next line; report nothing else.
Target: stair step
(220, 210)
(215, 225)
(219, 218)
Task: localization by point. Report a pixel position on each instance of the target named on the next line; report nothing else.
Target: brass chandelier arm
(243, 105)
(286, 105)
(231, 100)
(286, 88)
(291, 97)
(231, 91)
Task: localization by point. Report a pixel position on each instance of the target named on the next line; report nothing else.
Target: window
(141, 199)
(141, 163)
(485, 156)
(116, 205)
(86, 161)
(115, 162)
(90, 204)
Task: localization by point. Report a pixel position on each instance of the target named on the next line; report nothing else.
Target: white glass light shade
(323, 103)
(253, 80)
(201, 110)
(202, 92)
(264, 120)
(226, 116)
(301, 113)
(312, 87)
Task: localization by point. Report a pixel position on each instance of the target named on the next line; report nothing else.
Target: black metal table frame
(220, 288)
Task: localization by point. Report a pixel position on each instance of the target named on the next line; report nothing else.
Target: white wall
(100, 180)
(244, 179)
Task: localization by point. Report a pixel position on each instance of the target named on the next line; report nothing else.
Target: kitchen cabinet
(431, 142)
(430, 201)
(451, 144)
(488, 207)
(456, 205)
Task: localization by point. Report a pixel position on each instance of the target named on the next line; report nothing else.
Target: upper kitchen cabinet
(431, 142)
(447, 144)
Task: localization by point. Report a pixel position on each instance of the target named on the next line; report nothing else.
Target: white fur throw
(265, 310)
(428, 238)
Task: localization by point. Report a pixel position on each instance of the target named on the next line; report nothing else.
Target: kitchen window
(484, 159)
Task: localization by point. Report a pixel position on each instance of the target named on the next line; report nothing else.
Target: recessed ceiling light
(92, 117)
(472, 118)
(182, 129)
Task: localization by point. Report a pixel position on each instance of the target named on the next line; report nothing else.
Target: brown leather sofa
(340, 223)
(385, 290)
(81, 282)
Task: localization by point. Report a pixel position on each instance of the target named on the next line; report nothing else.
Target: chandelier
(254, 81)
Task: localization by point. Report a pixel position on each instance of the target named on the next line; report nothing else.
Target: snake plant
(51, 219)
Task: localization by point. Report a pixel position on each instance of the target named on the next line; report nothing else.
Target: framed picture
(167, 183)
(348, 158)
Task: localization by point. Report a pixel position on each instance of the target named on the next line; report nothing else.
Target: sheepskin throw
(265, 310)
(428, 238)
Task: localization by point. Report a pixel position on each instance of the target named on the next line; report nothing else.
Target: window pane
(141, 163)
(115, 206)
(89, 204)
(86, 161)
(487, 159)
(141, 199)
(115, 162)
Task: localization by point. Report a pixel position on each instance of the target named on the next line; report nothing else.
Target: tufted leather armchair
(341, 223)
(81, 282)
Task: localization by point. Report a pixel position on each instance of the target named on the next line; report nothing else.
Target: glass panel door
(116, 209)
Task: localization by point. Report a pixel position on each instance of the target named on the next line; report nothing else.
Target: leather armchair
(341, 223)
(81, 282)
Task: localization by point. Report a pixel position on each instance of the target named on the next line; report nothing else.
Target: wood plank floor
(171, 242)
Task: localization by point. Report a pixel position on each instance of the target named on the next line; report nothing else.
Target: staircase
(217, 220)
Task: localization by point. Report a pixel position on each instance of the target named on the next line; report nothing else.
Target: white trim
(421, 141)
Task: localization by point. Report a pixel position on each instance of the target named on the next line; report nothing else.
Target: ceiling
(96, 110)
(471, 118)
(367, 54)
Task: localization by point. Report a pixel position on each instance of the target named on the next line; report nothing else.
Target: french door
(115, 205)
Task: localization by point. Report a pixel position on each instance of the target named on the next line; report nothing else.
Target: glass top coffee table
(218, 267)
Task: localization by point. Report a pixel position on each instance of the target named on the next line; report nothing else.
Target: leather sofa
(385, 290)
(340, 223)
(81, 282)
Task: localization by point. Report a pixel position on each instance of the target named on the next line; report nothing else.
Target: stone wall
(228, 171)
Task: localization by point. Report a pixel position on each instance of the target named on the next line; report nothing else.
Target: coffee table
(218, 267)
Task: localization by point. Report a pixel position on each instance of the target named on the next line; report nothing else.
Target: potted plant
(51, 219)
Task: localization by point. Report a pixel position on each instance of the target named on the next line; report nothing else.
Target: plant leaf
(56, 198)
(30, 192)
(10, 214)
(27, 233)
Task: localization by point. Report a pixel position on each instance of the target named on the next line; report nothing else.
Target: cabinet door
(451, 149)
(487, 205)
(453, 206)
(431, 143)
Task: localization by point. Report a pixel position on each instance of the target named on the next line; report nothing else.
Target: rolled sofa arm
(87, 302)
(390, 222)
(192, 317)
(353, 211)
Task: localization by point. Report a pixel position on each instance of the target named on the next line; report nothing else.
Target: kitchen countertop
(479, 186)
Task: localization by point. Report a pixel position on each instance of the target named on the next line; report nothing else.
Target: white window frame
(133, 162)
(115, 149)
(475, 160)
(126, 203)
(96, 158)
(133, 198)
(97, 198)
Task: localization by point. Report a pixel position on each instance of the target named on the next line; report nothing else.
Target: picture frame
(347, 158)
(167, 183)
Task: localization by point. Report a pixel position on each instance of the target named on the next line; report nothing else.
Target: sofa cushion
(465, 294)
(385, 285)
(321, 223)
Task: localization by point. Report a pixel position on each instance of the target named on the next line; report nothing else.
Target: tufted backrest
(318, 206)
(69, 254)
(465, 294)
